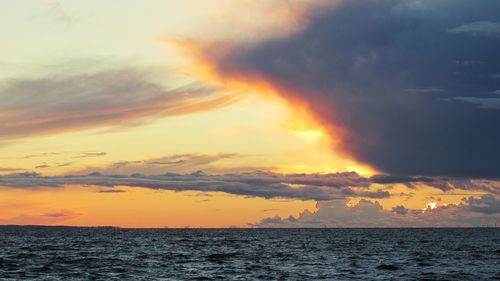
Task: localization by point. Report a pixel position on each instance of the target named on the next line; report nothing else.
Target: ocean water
(61, 253)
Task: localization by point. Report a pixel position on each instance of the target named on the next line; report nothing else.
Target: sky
(252, 113)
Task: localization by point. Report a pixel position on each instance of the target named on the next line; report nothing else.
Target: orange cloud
(113, 98)
(207, 56)
(368, 213)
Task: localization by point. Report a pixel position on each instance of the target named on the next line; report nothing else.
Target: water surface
(62, 253)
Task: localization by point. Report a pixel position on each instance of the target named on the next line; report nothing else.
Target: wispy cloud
(57, 10)
(90, 154)
(53, 165)
(41, 219)
(112, 191)
(478, 28)
(74, 154)
(112, 98)
(179, 163)
(491, 103)
(10, 170)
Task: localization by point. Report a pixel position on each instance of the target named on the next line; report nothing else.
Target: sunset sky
(251, 113)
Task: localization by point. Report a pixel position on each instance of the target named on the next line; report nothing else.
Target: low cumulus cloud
(371, 214)
(400, 210)
(487, 204)
(110, 97)
(406, 86)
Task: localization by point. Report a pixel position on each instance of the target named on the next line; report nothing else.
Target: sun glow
(350, 204)
(298, 119)
(430, 206)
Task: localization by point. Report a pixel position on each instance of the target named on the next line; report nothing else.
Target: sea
(108, 253)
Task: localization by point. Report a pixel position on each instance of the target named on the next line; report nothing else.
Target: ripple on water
(34, 253)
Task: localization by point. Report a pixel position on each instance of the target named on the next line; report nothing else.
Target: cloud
(40, 155)
(371, 214)
(52, 165)
(263, 184)
(58, 12)
(91, 154)
(179, 163)
(255, 184)
(487, 204)
(400, 210)
(112, 191)
(492, 103)
(426, 90)
(478, 28)
(351, 67)
(41, 219)
(112, 97)
(10, 170)
(442, 183)
(76, 154)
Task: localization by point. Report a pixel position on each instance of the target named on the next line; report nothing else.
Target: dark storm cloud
(409, 83)
(112, 97)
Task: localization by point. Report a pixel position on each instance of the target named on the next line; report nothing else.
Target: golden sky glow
(123, 89)
(137, 207)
